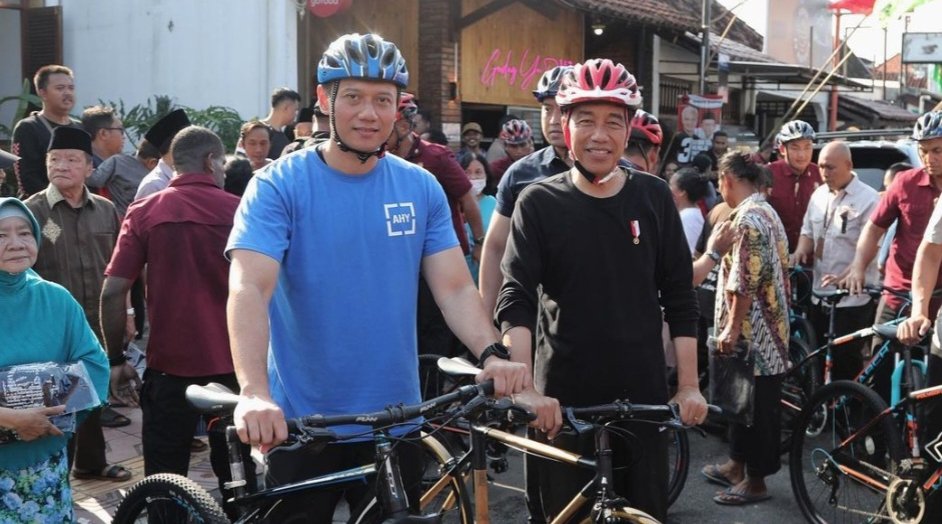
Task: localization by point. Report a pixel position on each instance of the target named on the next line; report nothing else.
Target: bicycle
(606, 505)
(809, 373)
(867, 459)
(172, 498)
(457, 437)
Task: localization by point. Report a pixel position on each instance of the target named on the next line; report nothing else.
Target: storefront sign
(326, 8)
(521, 70)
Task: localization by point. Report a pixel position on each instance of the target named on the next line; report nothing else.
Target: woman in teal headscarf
(39, 322)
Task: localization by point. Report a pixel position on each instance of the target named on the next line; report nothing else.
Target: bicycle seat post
(237, 484)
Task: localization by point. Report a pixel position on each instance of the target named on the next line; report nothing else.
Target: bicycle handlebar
(628, 411)
(397, 414)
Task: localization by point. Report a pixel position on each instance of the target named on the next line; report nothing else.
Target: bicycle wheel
(802, 329)
(678, 452)
(444, 493)
(797, 387)
(166, 498)
(842, 473)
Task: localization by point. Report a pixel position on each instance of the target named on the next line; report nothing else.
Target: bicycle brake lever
(580, 428)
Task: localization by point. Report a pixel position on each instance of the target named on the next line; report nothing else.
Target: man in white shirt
(836, 214)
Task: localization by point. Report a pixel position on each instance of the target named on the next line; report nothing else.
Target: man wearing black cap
(302, 131)
(56, 87)
(160, 136)
(79, 230)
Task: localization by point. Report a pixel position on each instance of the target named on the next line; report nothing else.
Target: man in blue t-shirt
(326, 251)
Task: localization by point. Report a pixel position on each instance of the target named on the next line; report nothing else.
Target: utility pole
(706, 14)
(832, 121)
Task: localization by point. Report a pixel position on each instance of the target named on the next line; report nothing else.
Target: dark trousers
(932, 430)
(169, 425)
(758, 445)
(87, 445)
(846, 359)
(640, 472)
(285, 467)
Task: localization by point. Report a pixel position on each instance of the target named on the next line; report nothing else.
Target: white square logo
(400, 219)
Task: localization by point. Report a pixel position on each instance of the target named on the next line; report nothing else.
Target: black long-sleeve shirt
(30, 141)
(600, 292)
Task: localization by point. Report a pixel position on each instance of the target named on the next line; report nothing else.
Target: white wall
(11, 82)
(200, 52)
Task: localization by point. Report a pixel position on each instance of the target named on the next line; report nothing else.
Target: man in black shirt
(31, 136)
(599, 250)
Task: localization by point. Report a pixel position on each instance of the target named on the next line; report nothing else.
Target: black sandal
(112, 419)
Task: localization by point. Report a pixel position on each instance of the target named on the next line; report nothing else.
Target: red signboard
(327, 8)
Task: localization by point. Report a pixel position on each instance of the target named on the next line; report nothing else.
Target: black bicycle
(169, 498)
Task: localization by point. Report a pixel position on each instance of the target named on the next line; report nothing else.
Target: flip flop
(111, 472)
(112, 419)
(713, 475)
(728, 498)
(197, 445)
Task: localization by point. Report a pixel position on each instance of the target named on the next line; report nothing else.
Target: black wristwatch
(715, 256)
(494, 350)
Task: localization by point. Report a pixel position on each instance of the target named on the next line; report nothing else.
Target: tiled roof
(883, 110)
(680, 15)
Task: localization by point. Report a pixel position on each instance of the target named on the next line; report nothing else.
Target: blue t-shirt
(343, 314)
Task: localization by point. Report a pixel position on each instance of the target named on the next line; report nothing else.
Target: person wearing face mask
(479, 173)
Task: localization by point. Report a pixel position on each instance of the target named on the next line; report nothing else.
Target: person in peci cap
(78, 234)
(41, 322)
(160, 136)
(299, 209)
(594, 279)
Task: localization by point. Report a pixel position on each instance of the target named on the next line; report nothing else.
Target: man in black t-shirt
(599, 250)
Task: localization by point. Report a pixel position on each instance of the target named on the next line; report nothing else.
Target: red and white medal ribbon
(636, 231)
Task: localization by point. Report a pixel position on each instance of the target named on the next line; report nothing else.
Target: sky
(867, 42)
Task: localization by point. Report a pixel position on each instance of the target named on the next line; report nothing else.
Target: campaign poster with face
(698, 117)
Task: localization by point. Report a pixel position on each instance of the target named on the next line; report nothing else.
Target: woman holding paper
(39, 322)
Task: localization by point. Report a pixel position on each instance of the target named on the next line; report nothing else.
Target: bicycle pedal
(913, 466)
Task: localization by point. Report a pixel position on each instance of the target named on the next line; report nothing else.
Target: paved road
(695, 505)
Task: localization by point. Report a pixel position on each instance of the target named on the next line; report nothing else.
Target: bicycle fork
(392, 493)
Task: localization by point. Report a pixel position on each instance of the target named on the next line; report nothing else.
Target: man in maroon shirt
(434, 335)
(794, 178)
(180, 234)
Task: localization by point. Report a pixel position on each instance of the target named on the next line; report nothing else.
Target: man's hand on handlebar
(913, 329)
(509, 377)
(549, 418)
(260, 422)
(693, 407)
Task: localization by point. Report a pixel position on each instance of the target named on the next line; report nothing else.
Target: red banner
(857, 7)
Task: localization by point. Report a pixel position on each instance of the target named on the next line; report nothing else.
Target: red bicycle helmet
(407, 107)
(515, 132)
(645, 126)
(598, 80)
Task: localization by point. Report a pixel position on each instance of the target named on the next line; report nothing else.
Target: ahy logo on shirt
(400, 219)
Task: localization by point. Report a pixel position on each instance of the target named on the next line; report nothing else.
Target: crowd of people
(307, 271)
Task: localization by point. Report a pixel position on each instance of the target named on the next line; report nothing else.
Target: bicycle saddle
(213, 398)
(830, 295)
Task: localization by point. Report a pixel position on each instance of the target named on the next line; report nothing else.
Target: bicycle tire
(167, 498)
(836, 475)
(801, 328)
(679, 464)
(799, 385)
(451, 500)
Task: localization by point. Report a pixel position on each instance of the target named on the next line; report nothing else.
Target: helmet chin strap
(362, 156)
